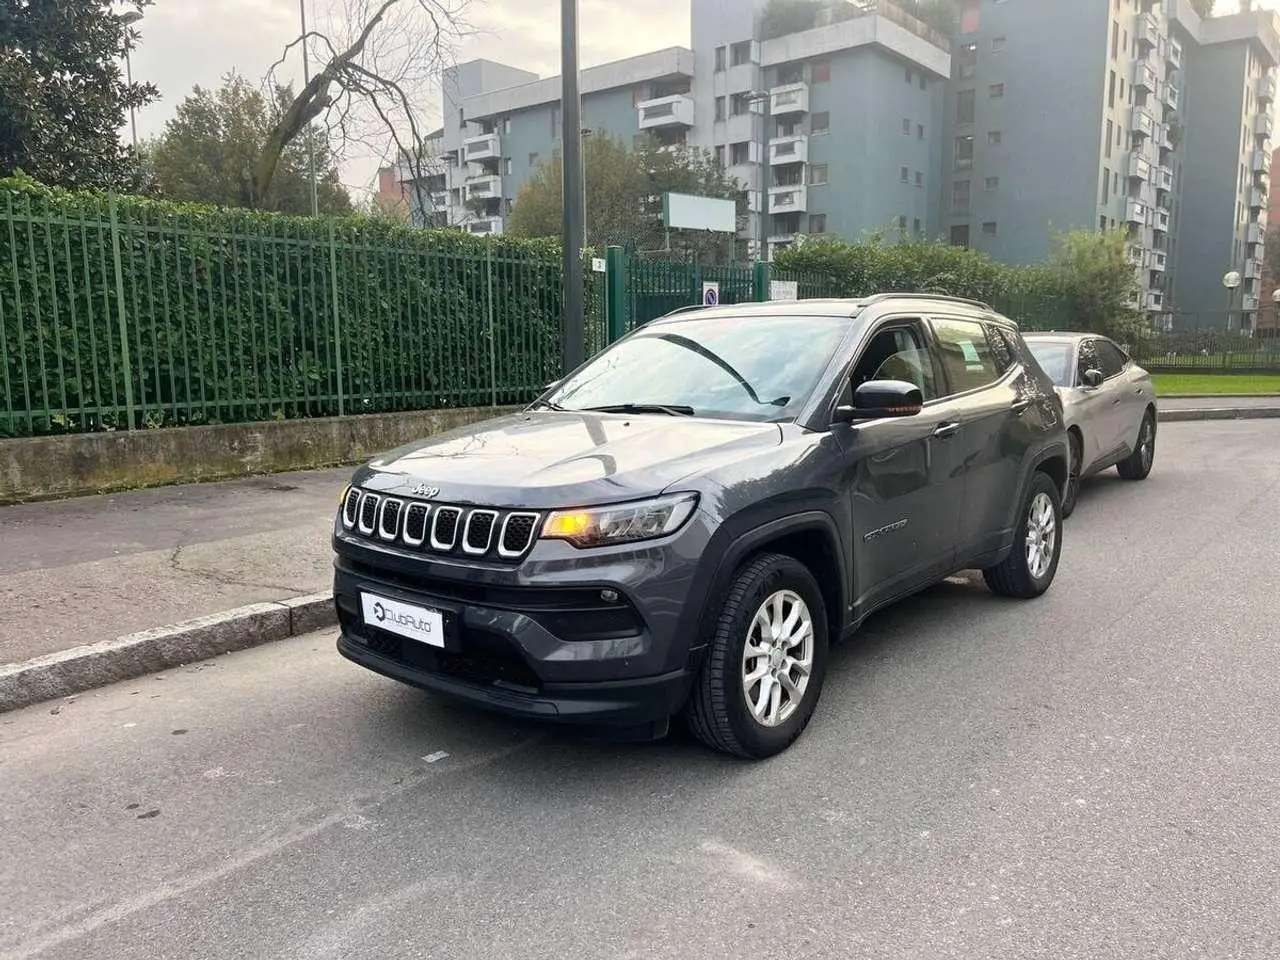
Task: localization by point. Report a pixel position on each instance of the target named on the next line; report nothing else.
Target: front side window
(897, 353)
(734, 368)
(966, 354)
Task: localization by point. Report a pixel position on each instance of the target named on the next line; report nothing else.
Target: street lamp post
(573, 189)
(306, 81)
(129, 19)
(762, 215)
(1231, 280)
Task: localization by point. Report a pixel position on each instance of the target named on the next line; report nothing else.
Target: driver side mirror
(878, 399)
(1092, 378)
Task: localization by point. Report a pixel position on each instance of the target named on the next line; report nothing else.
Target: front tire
(1138, 464)
(767, 660)
(1030, 567)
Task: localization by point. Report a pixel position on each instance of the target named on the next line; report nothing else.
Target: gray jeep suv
(688, 522)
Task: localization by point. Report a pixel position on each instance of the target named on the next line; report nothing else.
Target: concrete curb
(1220, 413)
(125, 658)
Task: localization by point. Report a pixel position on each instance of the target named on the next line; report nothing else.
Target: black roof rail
(685, 309)
(945, 298)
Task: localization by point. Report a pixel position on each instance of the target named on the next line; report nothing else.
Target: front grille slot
(389, 518)
(369, 512)
(415, 524)
(351, 508)
(479, 532)
(517, 534)
(444, 533)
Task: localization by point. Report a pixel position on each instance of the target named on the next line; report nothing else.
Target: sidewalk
(82, 571)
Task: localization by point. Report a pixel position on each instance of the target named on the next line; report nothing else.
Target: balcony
(485, 186)
(789, 99)
(1260, 163)
(1142, 123)
(1164, 178)
(1166, 136)
(662, 112)
(1252, 269)
(784, 150)
(1144, 77)
(487, 146)
(1136, 212)
(1249, 302)
(1161, 221)
(1263, 126)
(1158, 261)
(1134, 254)
(1154, 300)
(1257, 199)
(486, 227)
(1173, 53)
(1267, 87)
(1255, 234)
(789, 199)
(1146, 30)
(1172, 96)
(1139, 167)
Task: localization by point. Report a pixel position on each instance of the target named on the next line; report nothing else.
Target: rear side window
(966, 354)
(1004, 352)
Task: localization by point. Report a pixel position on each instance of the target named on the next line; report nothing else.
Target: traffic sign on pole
(710, 293)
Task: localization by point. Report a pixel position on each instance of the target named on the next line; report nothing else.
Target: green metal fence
(117, 313)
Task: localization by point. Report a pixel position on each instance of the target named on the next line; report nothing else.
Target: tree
(63, 96)
(381, 54)
(1097, 281)
(210, 148)
(624, 195)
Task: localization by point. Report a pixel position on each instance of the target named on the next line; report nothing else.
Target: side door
(984, 388)
(1094, 416)
(1126, 395)
(902, 474)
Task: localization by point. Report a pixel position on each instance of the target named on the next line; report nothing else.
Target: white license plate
(416, 623)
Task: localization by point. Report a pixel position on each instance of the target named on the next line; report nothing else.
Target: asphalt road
(1092, 775)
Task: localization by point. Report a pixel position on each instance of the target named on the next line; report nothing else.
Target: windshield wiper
(670, 409)
(547, 404)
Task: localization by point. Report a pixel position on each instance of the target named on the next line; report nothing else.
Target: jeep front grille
(441, 529)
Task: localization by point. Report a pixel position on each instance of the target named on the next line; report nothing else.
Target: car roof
(826, 307)
(1055, 336)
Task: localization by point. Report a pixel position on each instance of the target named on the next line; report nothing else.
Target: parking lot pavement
(96, 568)
(1088, 775)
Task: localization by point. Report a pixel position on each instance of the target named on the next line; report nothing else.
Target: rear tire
(1030, 567)
(1072, 491)
(766, 663)
(1139, 463)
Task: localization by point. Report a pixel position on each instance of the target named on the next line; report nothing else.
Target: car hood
(542, 459)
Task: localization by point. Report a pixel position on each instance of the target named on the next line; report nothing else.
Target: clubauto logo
(380, 612)
(383, 615)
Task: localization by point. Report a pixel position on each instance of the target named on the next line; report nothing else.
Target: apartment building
(834, 129)
(1115, 112)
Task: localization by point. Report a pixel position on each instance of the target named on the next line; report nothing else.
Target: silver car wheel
(1042, 535)
(1147, 443)
(777, 659)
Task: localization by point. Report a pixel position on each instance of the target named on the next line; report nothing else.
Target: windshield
(735, 368)
(1054, 357)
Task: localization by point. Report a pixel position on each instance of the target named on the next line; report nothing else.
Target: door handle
(1114, 401)
(945, 431)
(1020, 406)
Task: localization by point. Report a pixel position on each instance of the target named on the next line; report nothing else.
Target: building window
(1111, 91)
(995, 91)
(533, 160)
(903, 174)
(924, 82)
(555, 123)
(739, 153)
(964, 153)
(720, 156)
(818, 173)
(819, 123)
(739, 104)
(1107, 146)
(967, 62)
(740, 53)
(1106, 185)
(910, 75)
(906, 127)
(994, 138)
(920, 179)
(507, 166)
(719, 59)
(1115, 39)
(997, 44)
(902, 223)
(989, 228)
(960, 235)
(970, 16)
(960, 196)
(992, 184)
(965, 106)
(719, 109)
(915, 227)
(817, 223)
(919, 131)
(821, 71)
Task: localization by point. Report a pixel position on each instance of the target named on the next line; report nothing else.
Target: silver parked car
(1109, 402)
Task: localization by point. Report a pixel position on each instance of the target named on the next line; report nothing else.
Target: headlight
(621, 522)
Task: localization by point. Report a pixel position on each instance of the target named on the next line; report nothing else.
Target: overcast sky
(189, 42)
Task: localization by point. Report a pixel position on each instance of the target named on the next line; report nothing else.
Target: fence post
(121, 319)
(616, 292)
(493, 333)
(337, 322)
(762, 281)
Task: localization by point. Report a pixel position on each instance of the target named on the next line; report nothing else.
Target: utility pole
(766, 171)
(573, 190)
(306, 79)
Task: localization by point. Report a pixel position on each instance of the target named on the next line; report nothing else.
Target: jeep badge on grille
(422, 490)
